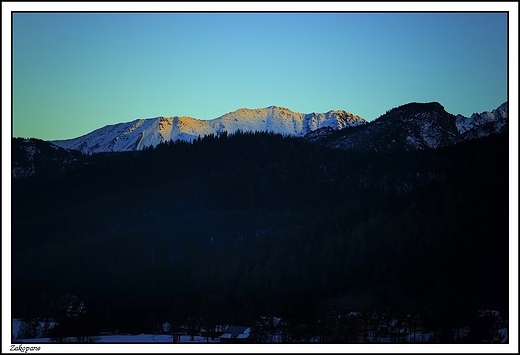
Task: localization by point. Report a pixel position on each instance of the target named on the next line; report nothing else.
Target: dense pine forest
(232, 227)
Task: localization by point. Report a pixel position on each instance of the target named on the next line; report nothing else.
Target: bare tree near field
(193, 324)
(264, 327)
(45, 329)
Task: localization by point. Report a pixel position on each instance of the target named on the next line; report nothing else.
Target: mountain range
(418, 126)
(408, 127)
(142, 133)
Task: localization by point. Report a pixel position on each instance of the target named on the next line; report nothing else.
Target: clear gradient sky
(76, 72)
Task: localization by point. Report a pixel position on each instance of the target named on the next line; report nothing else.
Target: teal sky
(76, 72)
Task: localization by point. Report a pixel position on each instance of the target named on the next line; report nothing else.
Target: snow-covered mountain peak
(141, 133)
(279, 108)
(495, 120)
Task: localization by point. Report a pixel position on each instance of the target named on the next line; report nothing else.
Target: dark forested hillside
(232, 227)
(35, 157)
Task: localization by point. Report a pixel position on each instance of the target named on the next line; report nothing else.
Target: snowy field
(141, 338)
(418, 337)
(121, 338)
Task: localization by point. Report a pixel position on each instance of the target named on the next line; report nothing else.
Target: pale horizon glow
(77, 72)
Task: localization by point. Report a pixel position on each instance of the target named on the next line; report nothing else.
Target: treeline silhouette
(231, 227)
